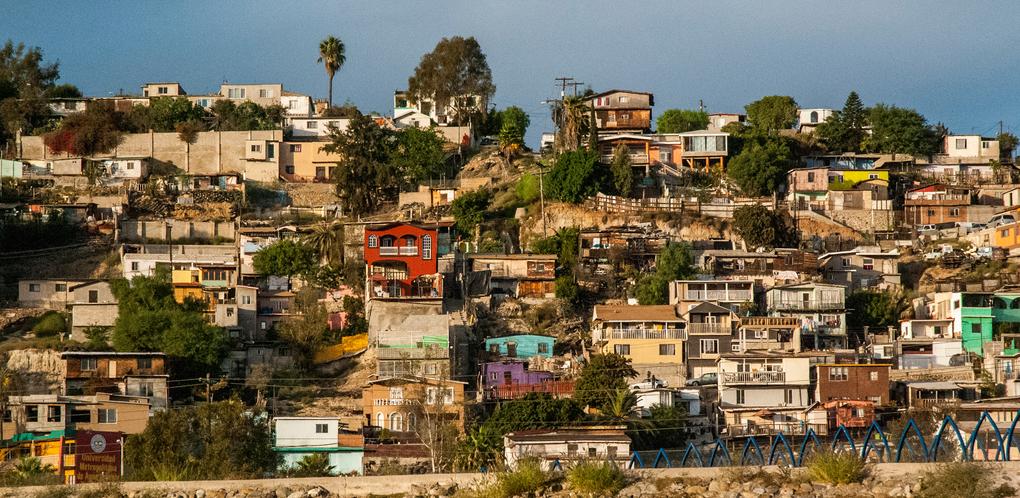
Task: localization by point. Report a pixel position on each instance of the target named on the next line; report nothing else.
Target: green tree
(454, 73)
(574, 120)
(149, 319)
(518, 117)
(528, 188)
(533, 411)
(230, 116)
(469, 210)
(307, 332)
(25, 81)
(601, 378)
(511, 140)
(163, 114)
(681, 120)
(332, 55)
(221, 440)
(327, 240)
(364, 176)
(675, 262)
(96, 130)
(873, 309)
(897, 130)
(285, 258)
(773, 113)
(1007, 144)
(761, 227)
(665, 427)
(313, 465)
(576, 176)
(63, 91)
(844, 130)
(419, 156)
(623, 172)
(761, 166)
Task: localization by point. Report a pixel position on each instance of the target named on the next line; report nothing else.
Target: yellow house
(851, 177)
(305, 161)
(652, 337)
(1006, 236)
(187, 284)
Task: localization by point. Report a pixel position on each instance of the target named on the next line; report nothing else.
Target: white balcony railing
(639, 333)
(732, 295)
(388, 251)
(409, 251)
(764, 377)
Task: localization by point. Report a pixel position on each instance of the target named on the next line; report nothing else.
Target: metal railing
(709, 328)
(719, 295)
(812, 304)
(763, 377)
(639, 333)
(388, 251)
(408, 250)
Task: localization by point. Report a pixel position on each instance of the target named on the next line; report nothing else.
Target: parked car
(708, 379)
(1001, 219)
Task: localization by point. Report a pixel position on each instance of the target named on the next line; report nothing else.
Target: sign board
(97, 456)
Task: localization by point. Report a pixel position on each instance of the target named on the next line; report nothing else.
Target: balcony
(639, 333)
(709, 329)
(732, 295)
(807, 305)
(389, 251)
(557, 388)
(763, 377)
(635, 159)
(408, 250)
(791, 428)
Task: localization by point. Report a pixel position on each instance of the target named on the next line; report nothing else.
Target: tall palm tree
(332, 54)
(327, 239)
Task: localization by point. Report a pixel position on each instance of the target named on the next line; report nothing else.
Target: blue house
(520, 346)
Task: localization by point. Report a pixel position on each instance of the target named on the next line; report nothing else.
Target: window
(432, 393)
(845, 262)
(540, 267)
(134, 266)
(872, 177)
(667, 349)
(144, 363)
(426, 247)
(130, 165)
(373, 241)
(623, 100)
(873, 376)
(621, 349)
(788, 396)
(431, 369)
(88, 364)
(289, 169)
(320, 172)
(1004, 233)
(311, 125)
(270, 151)
(256, 148)
(380, 420)
(571, 449)
(931, 212)
(230, 312)
(53, 413)
(814, 117)
(810, 176)
(396, 394)
(611, 452)
(32, 413)
(146, 389)
(975, 328)
(107, 415)
(837, 374)
(868, 264)
(740, 396)
(265, 93)
(961, 143)
(494, 348)
(295, 147)
(245, 299)
(93, 296)
(592, 452)
(954, 211)
(543, 348)
(235, 93)
(60, 287)
(161, 90)
(34, 287)
(937, 329)
(322, 428)
(735, 347)
(709, 346)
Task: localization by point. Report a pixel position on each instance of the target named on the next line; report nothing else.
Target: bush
(837, 468)
(525, 480)
(596, 478)
(962, 479)
(528, 188)
(50, 324)
(567, 289)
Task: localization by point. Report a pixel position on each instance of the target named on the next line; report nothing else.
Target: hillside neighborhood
(252, 282)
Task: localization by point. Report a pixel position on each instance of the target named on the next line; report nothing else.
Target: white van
(1001, 219)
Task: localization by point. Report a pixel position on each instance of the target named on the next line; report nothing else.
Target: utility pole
(574, 85)
(564, 82)
(701, 105)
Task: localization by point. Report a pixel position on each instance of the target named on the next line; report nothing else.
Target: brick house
(853, 381)
(396, 403)
(128, 374)
(935, 204)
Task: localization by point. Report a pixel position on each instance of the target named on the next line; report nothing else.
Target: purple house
(511, 379)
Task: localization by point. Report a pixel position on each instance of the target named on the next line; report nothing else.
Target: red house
(401, 261)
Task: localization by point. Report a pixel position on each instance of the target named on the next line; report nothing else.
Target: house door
(508, 378)
(805, 298)
(113, 369)
(511, 349)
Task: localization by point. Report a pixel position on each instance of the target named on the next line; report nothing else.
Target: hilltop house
(401, 262)
(522, 346)
(821, 308)
(863, 267)
(622, 111)
(567, 445)
(296, 438)
(398, 404)
(710, 331)
(122, 373)
(530, 276)
(512, 379)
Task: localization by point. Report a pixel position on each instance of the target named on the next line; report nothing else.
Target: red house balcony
(557, 388)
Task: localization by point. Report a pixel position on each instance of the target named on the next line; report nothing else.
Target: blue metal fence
(874, 444)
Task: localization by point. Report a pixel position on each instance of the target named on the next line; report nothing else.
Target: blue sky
(953, 62)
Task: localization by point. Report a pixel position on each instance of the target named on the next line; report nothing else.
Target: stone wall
(39, 371)
(141, 231)
(863, 220)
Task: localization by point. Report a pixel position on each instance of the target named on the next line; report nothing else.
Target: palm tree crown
(332, 55)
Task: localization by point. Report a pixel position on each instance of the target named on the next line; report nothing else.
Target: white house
(315, 127)
(299, 437)
(809, 119)
(145, 258)
(820, 307)
(567, 445)
(295, 104)
(127, 168)
(970, 148)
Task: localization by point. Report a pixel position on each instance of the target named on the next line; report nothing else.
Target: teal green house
(520, 346)
(977, 314)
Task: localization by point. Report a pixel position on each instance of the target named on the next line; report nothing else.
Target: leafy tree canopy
(761, 227)
(675, 262)
(844, 130)
(534, 411)
(96, 130)
(601, 378)
(453, 72)
(469, 210)
(773, 113)
(1007, 144)
(364, 176)
(230, 116)
(761, 166)
(219, 440)
(419, 155)
(576, 176)
(285, 258)
(165, 113)
(623, 173)
(24, 82)
(681, 120)
(897, 130)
